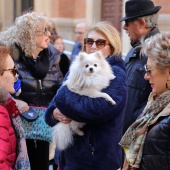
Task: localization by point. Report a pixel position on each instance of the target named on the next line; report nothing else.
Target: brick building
(66, 13)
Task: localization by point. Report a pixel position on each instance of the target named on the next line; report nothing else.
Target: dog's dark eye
(87, 65)
(95, 65)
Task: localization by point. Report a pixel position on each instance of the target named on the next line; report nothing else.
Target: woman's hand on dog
(60, 117)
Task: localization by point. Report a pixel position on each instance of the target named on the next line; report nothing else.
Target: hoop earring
(167, 84)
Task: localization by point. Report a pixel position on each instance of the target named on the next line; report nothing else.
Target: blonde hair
(23, 31)
(157, 48)
(111, 33)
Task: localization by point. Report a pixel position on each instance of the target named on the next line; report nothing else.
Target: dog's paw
(80, 133)
(112, 102)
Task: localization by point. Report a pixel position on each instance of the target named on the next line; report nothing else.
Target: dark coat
(156, 152)
(39, 92)
(64, 63)
(98, 149)
(138, 88)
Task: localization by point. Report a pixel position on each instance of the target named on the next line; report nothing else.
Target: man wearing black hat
(140, 22)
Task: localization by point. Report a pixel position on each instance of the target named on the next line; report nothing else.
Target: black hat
(139, 8)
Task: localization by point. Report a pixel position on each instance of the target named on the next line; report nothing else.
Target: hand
(22, 106)
(60, 117)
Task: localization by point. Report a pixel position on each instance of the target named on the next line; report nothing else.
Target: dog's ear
(99, 54)
(82, 55)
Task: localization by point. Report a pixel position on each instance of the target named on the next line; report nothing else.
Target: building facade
(67, 13)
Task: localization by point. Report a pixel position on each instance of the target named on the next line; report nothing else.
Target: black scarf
(38, 67)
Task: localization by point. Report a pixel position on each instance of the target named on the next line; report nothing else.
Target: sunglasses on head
(12, 70)
(130, 20)
(100, 43)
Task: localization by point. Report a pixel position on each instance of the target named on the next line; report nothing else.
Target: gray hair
(157, 48)
(23, 31)
(151, 20)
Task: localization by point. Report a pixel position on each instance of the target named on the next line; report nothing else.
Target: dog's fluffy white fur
(89, 74)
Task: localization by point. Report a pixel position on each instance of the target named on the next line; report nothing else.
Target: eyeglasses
(100, 43)
(148, 70)
(13, 71)
(43, 32)
(130, 20)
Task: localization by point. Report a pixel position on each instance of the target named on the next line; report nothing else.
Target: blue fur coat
(98, 149)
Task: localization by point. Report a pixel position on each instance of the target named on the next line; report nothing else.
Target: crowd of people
(132, 134)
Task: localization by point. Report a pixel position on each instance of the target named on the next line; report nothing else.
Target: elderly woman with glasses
(40, 76)
(13, 152)
(147, 141)
(98, 148)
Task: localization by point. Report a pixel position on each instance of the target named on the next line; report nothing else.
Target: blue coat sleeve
(91, 110)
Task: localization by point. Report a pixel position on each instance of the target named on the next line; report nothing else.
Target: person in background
(13, 151)
(40, 75)
(64, 60)
(140, 22)
(98, 148)
(80, 31)
(146, 142)
(52, 30)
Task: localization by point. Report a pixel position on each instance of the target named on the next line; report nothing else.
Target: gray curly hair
(151, 20)
(157, 48)
(23, 31)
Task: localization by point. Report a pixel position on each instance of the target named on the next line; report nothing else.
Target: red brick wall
(165, 6)
(69, 8)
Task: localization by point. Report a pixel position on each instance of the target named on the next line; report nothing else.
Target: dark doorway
(21, 6)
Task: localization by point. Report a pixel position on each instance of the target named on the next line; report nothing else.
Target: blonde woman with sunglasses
(98, 148)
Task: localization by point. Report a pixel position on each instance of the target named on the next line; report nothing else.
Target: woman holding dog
(98, 148)
(147, 141)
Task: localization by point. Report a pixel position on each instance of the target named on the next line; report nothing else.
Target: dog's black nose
(91, 70)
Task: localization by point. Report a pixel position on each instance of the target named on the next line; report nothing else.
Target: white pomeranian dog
(89, 74)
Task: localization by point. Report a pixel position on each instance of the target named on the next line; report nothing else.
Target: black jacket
(156, 152)
(39, 92)
(138, 88)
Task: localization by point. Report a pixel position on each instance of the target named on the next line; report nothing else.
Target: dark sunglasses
(13, 71)
(130, 20)
(100, 43)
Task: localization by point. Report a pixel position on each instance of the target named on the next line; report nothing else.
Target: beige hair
(23, 31)
(157, 48)
(111, 33)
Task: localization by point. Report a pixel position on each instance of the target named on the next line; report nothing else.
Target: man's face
(133, 29)
(80, 33)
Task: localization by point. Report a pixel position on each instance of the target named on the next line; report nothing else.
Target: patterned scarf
(134, 138)
(39, 67)
(22, 160)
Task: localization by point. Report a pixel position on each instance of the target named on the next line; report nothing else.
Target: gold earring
(168, 84)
